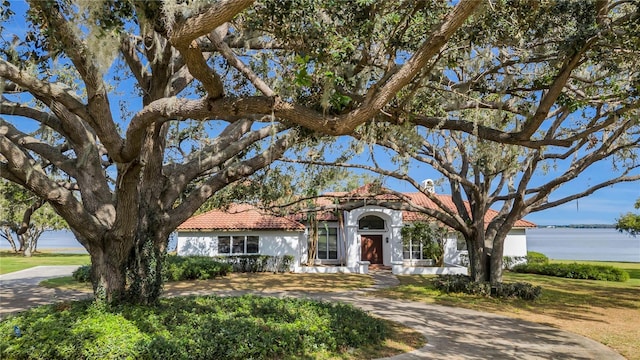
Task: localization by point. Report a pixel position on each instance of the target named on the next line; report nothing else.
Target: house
(359, 233)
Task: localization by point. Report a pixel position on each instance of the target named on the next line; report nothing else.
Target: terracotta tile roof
(247, 217)
(421, 199)
(239, 217)
(371, 191)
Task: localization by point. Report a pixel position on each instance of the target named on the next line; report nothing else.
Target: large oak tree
(555, 88)
(148, 108)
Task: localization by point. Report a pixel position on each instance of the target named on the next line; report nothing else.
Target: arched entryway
(372, 228)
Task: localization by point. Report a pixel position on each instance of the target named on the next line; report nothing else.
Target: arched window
(371, 222)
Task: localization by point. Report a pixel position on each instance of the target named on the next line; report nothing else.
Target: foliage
(194, 268)
(211, 93)
(258, 263)
(630, 222)
(247, 327)
(510, 261)
(464, 284)
(575, 271)
(534, 257)
(22, 214)
(82, 274)
(430, 235)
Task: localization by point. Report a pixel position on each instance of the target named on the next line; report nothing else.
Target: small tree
(24, 218)
(429, 236)
(629, 222)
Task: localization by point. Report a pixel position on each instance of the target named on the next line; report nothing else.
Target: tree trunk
(144, 268)
(497, 262)
(108, 269)
(8, 234)
(478, 258)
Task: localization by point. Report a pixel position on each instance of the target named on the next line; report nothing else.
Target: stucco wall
(515, 244)
(276, 243)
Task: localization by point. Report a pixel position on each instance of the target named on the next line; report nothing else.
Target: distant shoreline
(579, 226)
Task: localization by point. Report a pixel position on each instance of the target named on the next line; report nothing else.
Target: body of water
(557, 243)
(584, 244)
(65, 241)
(59, 240)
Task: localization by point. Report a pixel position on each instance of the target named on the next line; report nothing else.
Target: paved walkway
(452, 333)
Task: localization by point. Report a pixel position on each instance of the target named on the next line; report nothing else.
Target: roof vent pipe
(428, 186)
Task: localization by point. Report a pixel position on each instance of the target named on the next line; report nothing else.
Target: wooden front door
(371, 248)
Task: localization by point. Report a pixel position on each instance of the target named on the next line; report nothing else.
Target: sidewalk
(452, 333)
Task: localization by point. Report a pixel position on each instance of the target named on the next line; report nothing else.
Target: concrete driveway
(452, 333)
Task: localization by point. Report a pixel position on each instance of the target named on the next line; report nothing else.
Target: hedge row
(258, 263)
(464, 284)
(575, 271)
(208, 327)
(179, 268)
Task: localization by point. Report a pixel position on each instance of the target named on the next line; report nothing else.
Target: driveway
(452, 333)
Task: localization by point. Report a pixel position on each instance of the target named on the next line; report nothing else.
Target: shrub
(464, 284)
(82, 274)
(575, 271)
(206, 327)
(536, 258)
(179, 268)
(510, 261)
(258, 263)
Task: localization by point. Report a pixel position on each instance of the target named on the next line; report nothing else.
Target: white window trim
(244, 250)
(326, 250)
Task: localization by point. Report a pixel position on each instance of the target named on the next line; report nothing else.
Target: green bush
(177, 268)
(464, 284)
(209, 327)
(258, 263)
(82, 274)
(536, 258)
(575, 271)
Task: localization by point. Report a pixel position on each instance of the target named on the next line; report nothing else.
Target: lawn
(10, 261)
(255, 282)
(608, 312)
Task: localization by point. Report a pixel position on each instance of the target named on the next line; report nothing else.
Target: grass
(608, 312)
(10, 261)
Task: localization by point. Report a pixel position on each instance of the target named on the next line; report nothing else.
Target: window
(415, 251)
(371, 222)
(461, 244)
(234, 245)
(328, 243)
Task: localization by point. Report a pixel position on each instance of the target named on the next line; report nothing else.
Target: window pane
(416, 254)
(252, 244)
(461, 244)
(322, 245)
(371, 222)
(238, 245)
(224, 244)
(406, 252)
(333, 243)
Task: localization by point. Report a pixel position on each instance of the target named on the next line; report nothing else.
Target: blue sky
(602, 207)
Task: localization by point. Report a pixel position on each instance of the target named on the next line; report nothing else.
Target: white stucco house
(351, 240)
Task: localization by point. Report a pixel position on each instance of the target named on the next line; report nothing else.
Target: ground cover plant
(574, 271)
(10, 261)
(608, 312)
(247, 327)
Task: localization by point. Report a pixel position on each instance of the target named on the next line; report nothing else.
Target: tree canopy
(629, 222)
(145, 109)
